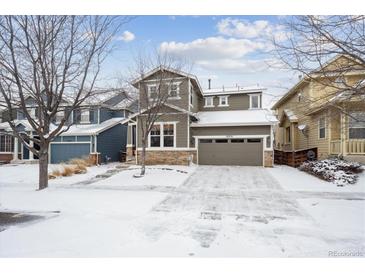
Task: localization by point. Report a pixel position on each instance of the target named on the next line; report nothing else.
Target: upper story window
(223, 101)
(162, 135)
(287, 135)
(174, 90)
(59, 116)
(255, 101)
(152, 91)
(20, 115)
(85, 116)
(209, 102)
(32, 113)
(322, 128)
(357, 125)
(191, 95)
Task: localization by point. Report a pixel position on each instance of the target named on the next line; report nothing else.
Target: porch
(347, 134)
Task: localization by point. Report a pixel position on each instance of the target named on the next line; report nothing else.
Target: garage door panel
(64, 152)
(238, 153)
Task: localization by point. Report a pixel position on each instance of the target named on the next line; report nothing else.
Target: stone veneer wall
(268, 158)
(168, 157)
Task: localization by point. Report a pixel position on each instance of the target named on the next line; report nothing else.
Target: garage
(238, 151)
(64, 152)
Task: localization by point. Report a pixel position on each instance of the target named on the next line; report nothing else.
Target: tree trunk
(143, 158)
(43, 168)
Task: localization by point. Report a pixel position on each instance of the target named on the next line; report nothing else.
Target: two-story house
(225, 126)
(98, 129)
(322, 115)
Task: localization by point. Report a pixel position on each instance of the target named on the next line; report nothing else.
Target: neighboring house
(98, 130)
(225, 126)
(317, 117)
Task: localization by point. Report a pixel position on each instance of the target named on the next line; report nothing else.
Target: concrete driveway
(243, 210)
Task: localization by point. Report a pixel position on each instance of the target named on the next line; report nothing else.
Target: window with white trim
(209, 102)
(6, 143)
(20, 115)
(357, 125)
(59, 116)
(255, 101)
(155, 136)
(152, 91)
(162, 135)
(322, 128)
(223, 101)
(268, 142)
(85, 116)
(174, 89)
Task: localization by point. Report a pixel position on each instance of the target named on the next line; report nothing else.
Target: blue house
(98, 129)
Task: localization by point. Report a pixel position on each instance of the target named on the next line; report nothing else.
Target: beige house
(316, 116)
(225, 126)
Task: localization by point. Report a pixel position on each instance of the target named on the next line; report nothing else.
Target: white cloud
(127, 36)
(259, 29)
(212, 48)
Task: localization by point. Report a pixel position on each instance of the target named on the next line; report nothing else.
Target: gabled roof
(288, 113)
(306, 79)
(179, 72)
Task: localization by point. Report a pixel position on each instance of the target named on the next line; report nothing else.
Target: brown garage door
(239, 152)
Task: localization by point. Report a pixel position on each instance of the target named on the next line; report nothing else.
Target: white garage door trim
(263, 137)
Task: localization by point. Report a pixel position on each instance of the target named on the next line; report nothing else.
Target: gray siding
(111, 142)
(243, 130)
(235, 102)
(106, 114)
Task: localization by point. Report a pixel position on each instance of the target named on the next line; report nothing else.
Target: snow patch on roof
(235, 117)
(233, 90)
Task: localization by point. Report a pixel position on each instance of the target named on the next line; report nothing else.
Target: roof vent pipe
(209, 80)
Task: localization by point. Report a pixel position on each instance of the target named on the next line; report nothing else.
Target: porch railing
(335, 147)
(355, 146)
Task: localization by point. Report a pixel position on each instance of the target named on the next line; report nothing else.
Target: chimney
(209, 80)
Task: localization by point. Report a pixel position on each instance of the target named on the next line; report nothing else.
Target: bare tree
(160, 69)
(55, 61)
(311, 41)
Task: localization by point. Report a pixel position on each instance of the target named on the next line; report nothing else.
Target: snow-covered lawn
(296, 180)
(182, 211)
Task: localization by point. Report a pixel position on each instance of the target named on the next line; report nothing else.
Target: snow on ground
(295, 180)
(174, 176)
(26, 175)
(208, 211)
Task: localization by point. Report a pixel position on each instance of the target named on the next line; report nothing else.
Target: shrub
(333, 170)
(68, 171)
(80, 169)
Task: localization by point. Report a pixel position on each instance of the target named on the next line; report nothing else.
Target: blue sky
(228, 49)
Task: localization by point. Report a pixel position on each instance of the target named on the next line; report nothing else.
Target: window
(254, 140)
(155, 136)
(20, 115)
(357, 125)
(168, 135)
(59, 116)
(32, 112)
(322, 128)
(85, 116)
(223, 101)
(237, 140)
(162, 135)
(255, 101)
(287, 135)
(152, 91)
(174, 90)
(206, 141)
(299, 97)
(209, 102)
(221, 140)
(6, 143)
(268, 142)
(191, 95)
